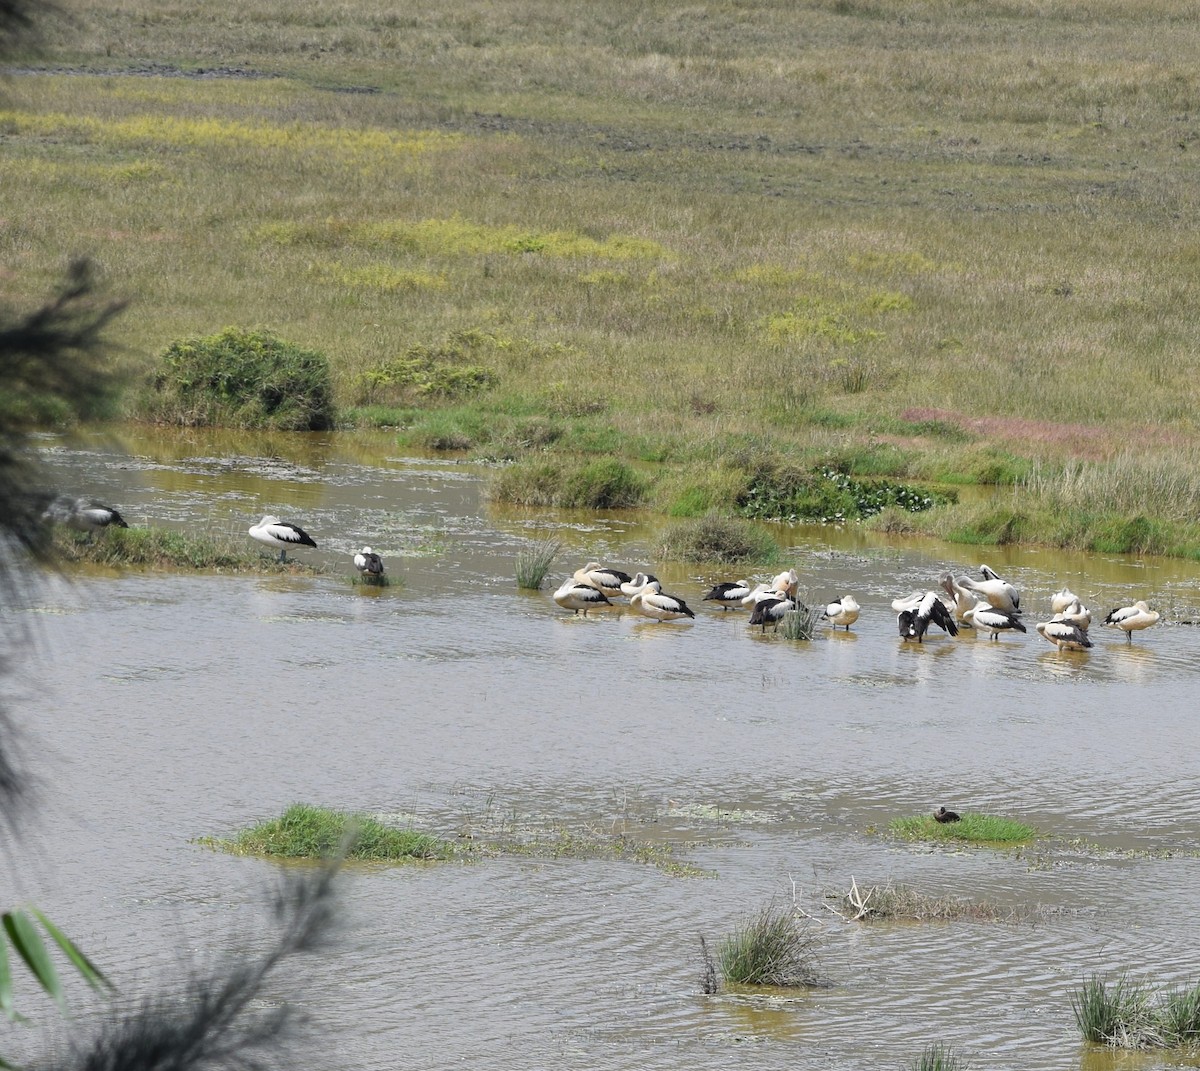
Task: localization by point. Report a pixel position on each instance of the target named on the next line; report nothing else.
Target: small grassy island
(969, 829)
(307, 832)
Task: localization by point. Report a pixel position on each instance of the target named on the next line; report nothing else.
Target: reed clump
(534, 562)
(305, 831)
(1126, 1014)
(775, 947)
(800, 623)
(721, 539)
(607, 483)
(938, 1057)
(971, 829)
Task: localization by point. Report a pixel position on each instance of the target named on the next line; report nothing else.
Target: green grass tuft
(774, 947)
(938, 1057)
(972, 828)
(307, 832)
(534, 561)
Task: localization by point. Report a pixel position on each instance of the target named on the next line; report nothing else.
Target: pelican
(1075, 613)
(1063, 598)
(273, 532)
(772, 608)
(576, 596)
(843, 612)
(729, 593)
(1130, 618)
(999, 593)
(787, 583)
(369, 564)
(608, 581)
(984, 615)
(760, 592)
(943, 815)
(1064, 635)
(631, 587)
(915, 620)
(653, 602)
(82, 513)
(963, 597)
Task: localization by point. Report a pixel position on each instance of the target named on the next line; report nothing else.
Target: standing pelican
(652, 601)
(1063, 598)
(573, 595)
(1064, 635)
(962, 596)
(1075, 613)
(999, 593)
(843, 612)
(771, 609)
(788, 583)
(729, 593)
(915, 618)
(984, 615)
(760, 592)
(602, 579)
(1131, 618)
(273, 532)
(369, 564)
(631, 587)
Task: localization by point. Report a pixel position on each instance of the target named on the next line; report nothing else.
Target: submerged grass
(903, 903)
(971, 828)
(307, 832)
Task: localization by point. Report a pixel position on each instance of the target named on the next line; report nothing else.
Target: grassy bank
(161, 548)
(922, 248)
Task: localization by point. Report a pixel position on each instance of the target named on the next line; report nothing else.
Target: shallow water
(165, 707)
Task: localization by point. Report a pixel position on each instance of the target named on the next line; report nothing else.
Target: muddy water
(162, 708)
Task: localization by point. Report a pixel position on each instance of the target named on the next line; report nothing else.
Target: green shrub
(826, 494)
(713, 538)
(307, 832)
(243, 379)
(605, 484)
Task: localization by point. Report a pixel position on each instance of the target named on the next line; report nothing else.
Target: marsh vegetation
(789, 290)
(970, 829)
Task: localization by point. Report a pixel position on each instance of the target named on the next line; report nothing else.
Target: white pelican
(368, 563)
(608, 581)
(984, 615)
(729, 593)
(1130, 618)
(1063, 598)
(1075, 613)
(652, 601)
(1064, 635)
(843, 612)
(913, 621)
(962, 596)
(576, 596)
(787, 583)
(999, 593)
(761, 591)
(772, 608)
(273, 532)
(82, 513)
(631, 587)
